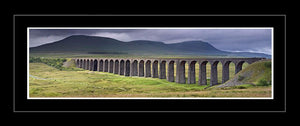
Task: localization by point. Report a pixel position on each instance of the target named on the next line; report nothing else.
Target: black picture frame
(23, 105)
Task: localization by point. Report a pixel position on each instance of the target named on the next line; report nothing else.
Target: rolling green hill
(258, 73)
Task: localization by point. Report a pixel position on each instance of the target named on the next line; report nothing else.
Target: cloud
(255, 40)
(118, 36)
(44, 39)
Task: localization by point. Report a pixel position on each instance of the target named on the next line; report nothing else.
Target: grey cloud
(224, 39)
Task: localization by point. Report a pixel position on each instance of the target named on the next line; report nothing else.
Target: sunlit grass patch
(51, 82)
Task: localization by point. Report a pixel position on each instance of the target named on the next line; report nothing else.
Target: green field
(46, 81)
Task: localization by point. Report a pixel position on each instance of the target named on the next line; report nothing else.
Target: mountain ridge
(86, 44)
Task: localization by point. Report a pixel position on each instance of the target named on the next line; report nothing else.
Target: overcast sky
(249, 40)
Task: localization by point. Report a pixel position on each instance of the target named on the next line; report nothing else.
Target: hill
(105, 45)
(258, 73)
(80, 43)
(196, 46)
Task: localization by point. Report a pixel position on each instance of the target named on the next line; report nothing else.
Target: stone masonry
(156, 67)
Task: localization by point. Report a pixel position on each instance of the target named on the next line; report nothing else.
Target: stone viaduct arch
(134, 68)
(127, 68)
(141, 68)
(87, 64)
(95, 65)
(100, 68)
(170, 76)
(91, 65)
(84, 62)
(116, 67)
(80, 63)
(156, 67)
(148, 68)
(122, 67)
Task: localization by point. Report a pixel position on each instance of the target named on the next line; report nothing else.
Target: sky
(227, 39)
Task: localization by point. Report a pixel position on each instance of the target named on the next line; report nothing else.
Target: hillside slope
(258, 73)
(80, 43)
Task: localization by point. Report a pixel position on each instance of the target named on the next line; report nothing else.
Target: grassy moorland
(48, 81)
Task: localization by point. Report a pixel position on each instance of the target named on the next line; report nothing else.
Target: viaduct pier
(156, 67)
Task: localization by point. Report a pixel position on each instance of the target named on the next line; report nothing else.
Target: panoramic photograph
(150, 63)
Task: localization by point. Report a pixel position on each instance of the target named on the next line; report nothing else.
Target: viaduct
(141, 67)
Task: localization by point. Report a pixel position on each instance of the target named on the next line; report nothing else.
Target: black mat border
(276, 105)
